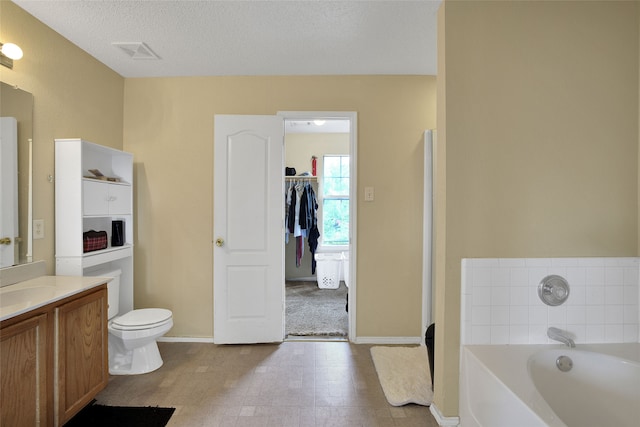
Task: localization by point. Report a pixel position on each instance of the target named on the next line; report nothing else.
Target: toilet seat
(145, 318)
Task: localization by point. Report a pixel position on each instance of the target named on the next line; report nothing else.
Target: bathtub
(520, 385)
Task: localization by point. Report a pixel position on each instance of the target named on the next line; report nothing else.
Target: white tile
(558, 315)
(519, 276)
(500, 296)
(519, 334)
(481, 295)
(499, 334)
(518, 315)
(564, 262)
(536, 274)
(594, 295)
(594, 276)
(576, 276)
(481, 316)
(594, 314)
(630, 333)
(630, 275)
(512, 262)
(630, 314)
(613, 333)
(613, 314)
(578, 331)
(500, 276)
(591, 262)
(595, 333)
(538, 315)
(630, 294)
(481, 334)
(519, 296)
(538, 262)
(576, 315)
(613, 276)
(480, 276)
(538, 334)
(613, 295)
(577, 295)
(499, 315)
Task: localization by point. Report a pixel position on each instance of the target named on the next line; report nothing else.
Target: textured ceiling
(267, 37)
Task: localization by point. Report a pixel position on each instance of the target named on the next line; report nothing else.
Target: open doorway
(320, 168)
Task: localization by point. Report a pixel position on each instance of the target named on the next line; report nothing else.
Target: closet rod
(301, 178)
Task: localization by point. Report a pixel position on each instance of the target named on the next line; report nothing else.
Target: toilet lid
(142, 317)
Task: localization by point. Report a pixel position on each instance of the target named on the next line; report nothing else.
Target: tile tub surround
(500, 303)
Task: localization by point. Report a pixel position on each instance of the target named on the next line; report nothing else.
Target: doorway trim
(352, 116)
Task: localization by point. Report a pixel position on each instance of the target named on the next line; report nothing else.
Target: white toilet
(132, 336)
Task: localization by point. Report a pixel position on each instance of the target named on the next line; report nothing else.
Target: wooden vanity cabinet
(82, 363)
(26, 371)
(53, 360)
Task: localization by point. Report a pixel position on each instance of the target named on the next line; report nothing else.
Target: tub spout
(560, 335)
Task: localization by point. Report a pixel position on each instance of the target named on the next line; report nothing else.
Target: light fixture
(319, 122)
(8, 53)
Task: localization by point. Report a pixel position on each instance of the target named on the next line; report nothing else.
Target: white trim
(441, 419)
(352, 116)
(208, 340)
(387, 340)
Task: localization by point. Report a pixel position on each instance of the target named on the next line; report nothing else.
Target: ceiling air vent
(136, 50)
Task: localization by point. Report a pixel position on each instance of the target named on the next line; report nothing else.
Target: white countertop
(30, 294)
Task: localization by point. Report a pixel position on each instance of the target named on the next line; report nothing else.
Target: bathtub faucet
(560, 335)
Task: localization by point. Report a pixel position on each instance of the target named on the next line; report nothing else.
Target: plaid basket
(94, 240)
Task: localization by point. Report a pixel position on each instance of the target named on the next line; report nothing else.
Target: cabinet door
(95, 198)
(83, 366)
(24, 372)
(119, 199)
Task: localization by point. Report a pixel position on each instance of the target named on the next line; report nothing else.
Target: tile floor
(296, 383)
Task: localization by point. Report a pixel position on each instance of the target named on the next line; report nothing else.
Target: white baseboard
(387, 340)
(186, 339)
(357, 340)
(441, 419)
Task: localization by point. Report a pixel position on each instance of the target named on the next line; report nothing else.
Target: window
(335, 200)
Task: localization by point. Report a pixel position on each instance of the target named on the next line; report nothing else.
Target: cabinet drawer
(119, 200)
(102, 198)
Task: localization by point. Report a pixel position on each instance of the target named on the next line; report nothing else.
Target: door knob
(219, 242)
(5, 241)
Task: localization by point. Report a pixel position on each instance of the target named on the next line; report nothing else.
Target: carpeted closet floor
(312, 311)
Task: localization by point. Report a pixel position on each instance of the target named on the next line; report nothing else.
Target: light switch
(368, 194)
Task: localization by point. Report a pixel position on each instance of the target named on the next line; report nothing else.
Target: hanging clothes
(301, 218)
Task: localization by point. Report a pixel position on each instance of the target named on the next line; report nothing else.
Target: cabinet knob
(219, 242)
(5, 241)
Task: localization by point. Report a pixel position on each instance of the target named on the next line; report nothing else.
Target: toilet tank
(113, 289)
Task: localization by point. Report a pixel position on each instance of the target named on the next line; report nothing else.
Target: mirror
(16, 129)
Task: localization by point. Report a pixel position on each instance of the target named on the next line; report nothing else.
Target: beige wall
(169, 129)
(540, 126)
(74, 96)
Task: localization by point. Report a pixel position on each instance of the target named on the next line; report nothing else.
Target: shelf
(105, 181)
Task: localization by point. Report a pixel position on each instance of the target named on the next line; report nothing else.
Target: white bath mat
(404, 374)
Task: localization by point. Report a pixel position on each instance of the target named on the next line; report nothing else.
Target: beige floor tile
(301, 384)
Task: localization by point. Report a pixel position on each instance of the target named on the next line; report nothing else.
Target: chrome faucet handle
(553, 290)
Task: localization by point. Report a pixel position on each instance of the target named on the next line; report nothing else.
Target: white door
(9, 190)
(248, 220)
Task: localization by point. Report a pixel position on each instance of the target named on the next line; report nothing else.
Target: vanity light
(8, 53)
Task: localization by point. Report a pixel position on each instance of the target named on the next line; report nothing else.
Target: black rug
(94, 415)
